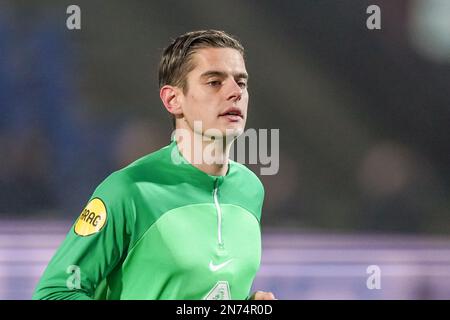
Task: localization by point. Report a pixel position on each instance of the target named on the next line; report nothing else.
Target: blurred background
(364, 175)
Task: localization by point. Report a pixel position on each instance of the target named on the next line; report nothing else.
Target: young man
(184, 221)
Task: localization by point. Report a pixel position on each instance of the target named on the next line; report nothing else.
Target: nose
(234, 92)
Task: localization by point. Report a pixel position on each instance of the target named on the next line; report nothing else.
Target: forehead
(219, 59)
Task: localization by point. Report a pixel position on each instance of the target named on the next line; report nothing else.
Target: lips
(233, 112)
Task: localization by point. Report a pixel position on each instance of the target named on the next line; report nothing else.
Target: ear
(171, 98)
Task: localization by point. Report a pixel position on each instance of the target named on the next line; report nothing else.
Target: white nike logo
(214, 267)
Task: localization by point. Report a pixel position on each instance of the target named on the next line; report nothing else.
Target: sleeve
(93, 247)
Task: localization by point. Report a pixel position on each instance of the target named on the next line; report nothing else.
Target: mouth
(233, 114)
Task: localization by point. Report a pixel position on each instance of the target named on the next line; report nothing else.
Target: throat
(213, 169)
(209, 156)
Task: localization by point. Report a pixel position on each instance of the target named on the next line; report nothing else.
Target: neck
(205, 153)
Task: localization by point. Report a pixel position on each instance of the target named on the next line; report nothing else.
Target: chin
(233, 132)
(221, 131)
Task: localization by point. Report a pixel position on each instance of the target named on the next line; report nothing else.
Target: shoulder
(142, 169)
(115, 185)
(124, 183)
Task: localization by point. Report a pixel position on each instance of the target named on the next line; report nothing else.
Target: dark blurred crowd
(363, 116)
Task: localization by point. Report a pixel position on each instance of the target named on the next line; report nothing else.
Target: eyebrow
(221, 74)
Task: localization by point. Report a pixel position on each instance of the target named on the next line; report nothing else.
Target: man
(184, 221)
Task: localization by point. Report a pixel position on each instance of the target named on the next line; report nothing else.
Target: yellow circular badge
(92, 218)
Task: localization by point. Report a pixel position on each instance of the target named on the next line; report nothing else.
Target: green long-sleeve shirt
(162, 229)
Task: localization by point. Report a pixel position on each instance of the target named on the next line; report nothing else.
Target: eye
(214, 83)
(242, 84)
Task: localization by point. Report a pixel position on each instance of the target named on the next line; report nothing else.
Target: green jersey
(162, 229)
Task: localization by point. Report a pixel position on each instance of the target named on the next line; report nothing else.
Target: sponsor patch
(92, 218)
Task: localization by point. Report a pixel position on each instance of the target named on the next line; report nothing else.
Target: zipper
(219, 214)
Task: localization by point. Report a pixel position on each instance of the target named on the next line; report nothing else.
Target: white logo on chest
(213, 267)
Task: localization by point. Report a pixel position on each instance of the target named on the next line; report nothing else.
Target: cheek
(191, 104)
(244, 102)
(205, 102)
(200, 107)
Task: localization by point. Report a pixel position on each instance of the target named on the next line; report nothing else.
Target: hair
(176, 61)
